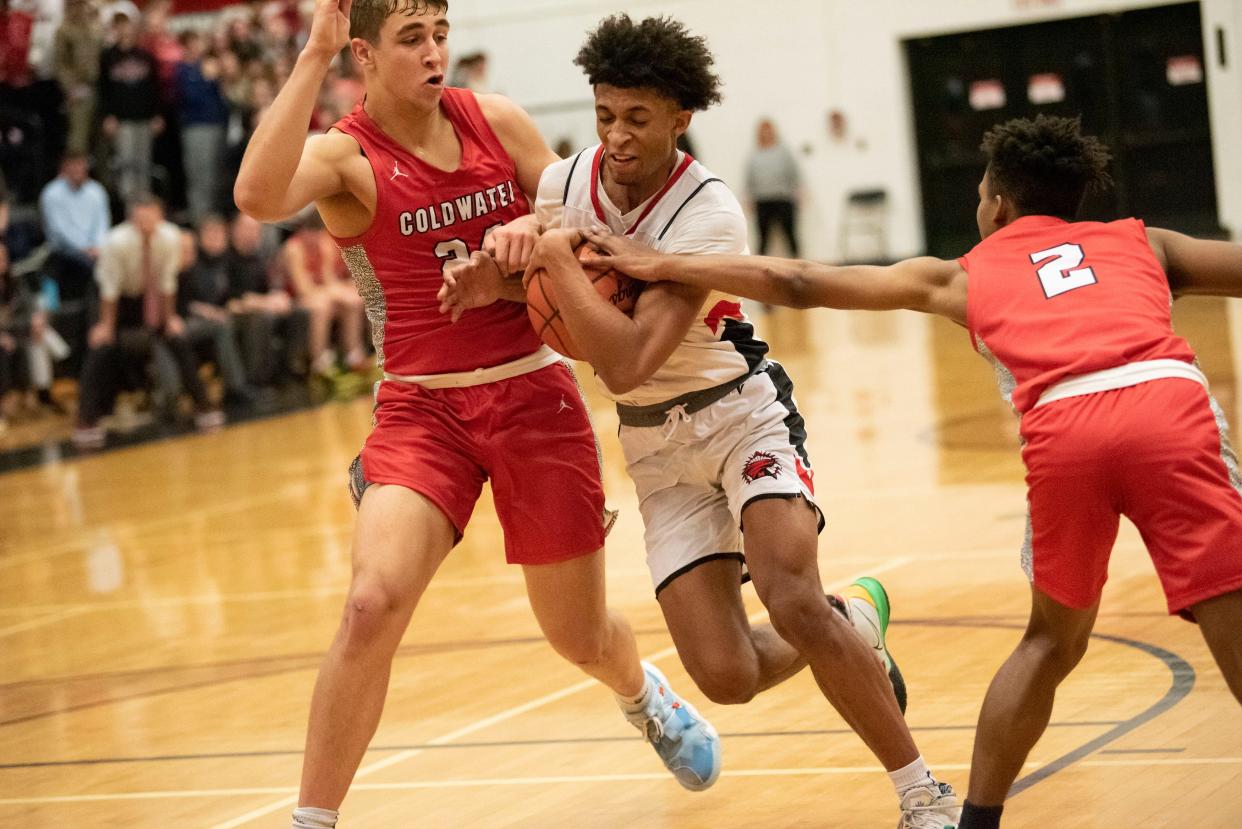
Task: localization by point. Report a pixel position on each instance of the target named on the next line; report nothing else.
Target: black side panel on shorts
(793, 421)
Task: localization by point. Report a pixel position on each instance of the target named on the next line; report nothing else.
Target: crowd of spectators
(123, 263)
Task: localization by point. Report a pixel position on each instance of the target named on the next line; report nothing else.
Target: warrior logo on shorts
(761, 465)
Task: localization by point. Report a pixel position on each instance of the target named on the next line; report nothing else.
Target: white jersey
(694, 212)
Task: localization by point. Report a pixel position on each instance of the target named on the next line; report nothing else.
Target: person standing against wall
(773, 182)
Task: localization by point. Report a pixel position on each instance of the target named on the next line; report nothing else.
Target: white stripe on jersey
(697, 215)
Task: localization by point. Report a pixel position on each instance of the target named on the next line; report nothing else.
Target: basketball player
(711, 434)
(411, 180)
(1116, 418)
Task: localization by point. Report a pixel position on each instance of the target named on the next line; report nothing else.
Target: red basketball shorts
(531, 435)
(1157, 453)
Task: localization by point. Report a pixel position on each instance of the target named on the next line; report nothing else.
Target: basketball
(611, 284)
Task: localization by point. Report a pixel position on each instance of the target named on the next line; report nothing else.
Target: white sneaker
(867, 608)
(930, 807)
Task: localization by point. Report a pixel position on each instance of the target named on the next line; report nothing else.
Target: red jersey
(424, 218)
(1047, 300)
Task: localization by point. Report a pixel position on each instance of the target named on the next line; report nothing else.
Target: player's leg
(1220, 620)
(729, 659)
(1019, 701)
(1192, 523)
(399, 541)
(781, 551)
(693, 546)
(1071, 458)
(547, 485)
(415, 485)
(568, 600)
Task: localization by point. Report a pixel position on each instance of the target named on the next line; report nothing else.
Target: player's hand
(555, 248)
(626, 255)
(513, 244)
(329, 31)
(175, 326)
(470, 283)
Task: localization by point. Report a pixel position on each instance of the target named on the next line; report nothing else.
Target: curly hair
(659, 53)
(1046, 165)
(366, 17)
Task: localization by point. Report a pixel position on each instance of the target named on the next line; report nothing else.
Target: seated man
(138, 320)
(272, 331)
(203, 298)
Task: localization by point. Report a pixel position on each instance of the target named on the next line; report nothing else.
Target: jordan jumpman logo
(396, 172)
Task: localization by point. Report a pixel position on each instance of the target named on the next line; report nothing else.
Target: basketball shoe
(687, 743)
(865, 604)
(934, 806)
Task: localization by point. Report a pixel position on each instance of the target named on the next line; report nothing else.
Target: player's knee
(370, 612)
(582, 648)
(725, 681)
(804, 619)
(1058, 654)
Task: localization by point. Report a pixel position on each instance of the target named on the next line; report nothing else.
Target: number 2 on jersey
(1061, 272)
(455, 249)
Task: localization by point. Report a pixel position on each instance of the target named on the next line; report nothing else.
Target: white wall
(797, 60)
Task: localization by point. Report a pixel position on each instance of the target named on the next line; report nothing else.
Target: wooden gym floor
(163, 608)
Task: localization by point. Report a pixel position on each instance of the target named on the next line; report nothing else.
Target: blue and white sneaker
(687, 743)
(865, 604)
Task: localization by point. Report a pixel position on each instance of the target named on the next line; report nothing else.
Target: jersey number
(454, 249)
(1061, 272)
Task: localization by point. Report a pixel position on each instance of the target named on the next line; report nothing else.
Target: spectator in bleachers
(28, 346)
(4, 208)
(241, 40)
(203, 300)
(164, 46)
(129, 102)
(319, 282)
(15, 304)
(78, 45)
(76, 218)
(138, 321)
(16, 27)
(204, 116)
(272, 331)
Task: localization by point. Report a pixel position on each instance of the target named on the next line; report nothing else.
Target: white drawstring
(676, 416)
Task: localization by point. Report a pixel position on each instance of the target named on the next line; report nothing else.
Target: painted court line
(510, 713)
(51, 619)
(813, 771)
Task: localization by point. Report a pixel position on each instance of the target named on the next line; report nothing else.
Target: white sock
(915, 774)
(639, 702)
(308, 817)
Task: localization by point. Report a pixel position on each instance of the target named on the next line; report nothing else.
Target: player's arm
(927, 284)
(512, 245)
(281, 171)
(1198, 266)
(624, 350)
